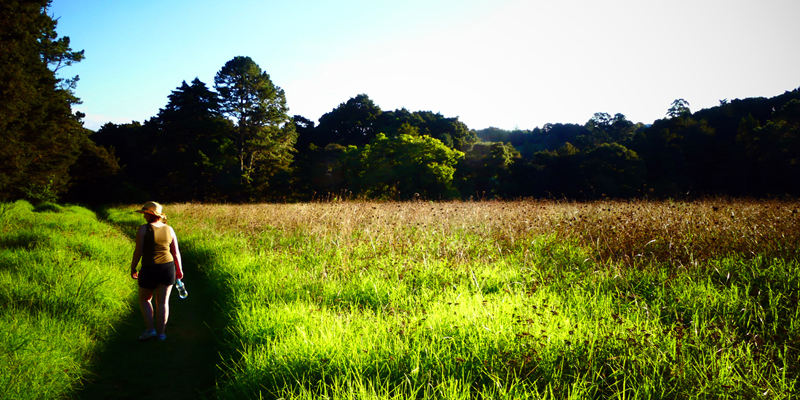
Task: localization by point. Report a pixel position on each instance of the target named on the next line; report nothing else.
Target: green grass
(61, 292)
(184, 366)
(496, 300)
(387, 301)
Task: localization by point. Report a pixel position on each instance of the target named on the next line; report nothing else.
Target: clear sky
(503, 63)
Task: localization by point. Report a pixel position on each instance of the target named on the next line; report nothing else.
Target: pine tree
(41, 138)
(264, 136)
(193, 149)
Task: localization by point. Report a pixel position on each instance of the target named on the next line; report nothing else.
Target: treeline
(744, 147)
(188, 152)
(748, 147)
(45, 149)
(236, 142)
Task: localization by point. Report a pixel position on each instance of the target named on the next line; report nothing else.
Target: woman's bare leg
(145, 303)
(162, 300)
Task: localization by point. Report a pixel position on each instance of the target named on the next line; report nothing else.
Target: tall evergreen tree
(41, 136)
(193, 149)
(265, 135)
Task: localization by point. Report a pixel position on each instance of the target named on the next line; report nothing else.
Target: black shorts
(150, 276)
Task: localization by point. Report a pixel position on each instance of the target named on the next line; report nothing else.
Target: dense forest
(236, 141)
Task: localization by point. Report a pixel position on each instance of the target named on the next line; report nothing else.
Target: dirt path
(184, 366)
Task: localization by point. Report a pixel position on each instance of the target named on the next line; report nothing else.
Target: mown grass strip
(182, 367)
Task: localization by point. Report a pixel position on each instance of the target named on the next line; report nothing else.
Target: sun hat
(151, 207)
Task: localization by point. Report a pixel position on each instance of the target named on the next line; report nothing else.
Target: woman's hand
(137, 252)
(176, 255)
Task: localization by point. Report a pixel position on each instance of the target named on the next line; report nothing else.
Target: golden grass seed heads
(613, 230)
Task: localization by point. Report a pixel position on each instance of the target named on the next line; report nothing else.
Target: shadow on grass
(128, 228)
(181, 367)
(184, 366)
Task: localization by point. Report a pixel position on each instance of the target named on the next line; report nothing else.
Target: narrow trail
(184, 366)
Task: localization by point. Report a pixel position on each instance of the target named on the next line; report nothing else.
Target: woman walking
(157, 248)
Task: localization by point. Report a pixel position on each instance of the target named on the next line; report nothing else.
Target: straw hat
(151, 207)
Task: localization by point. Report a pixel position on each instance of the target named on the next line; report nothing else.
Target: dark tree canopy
(193, 149)
(353, 122)
(264, 137)
(42, 138)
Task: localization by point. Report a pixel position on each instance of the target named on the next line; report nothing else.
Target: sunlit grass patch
(62, 289)
(367, 322)
(42, 356)
(504, 299)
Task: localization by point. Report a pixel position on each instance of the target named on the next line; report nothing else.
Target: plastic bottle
(181, 289)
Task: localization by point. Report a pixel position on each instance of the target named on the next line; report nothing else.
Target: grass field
(504, 300)
(486, 300)
(62, 290)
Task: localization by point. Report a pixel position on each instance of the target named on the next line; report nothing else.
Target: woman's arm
(137, 252)
(176, 255)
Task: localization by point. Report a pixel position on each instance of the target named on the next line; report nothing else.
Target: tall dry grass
(541, 299)
(617, 231)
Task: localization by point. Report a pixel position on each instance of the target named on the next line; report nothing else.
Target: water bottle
(181, 289)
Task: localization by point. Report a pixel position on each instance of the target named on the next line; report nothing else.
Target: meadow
(504, 300)
(63, 288)
(485, 300)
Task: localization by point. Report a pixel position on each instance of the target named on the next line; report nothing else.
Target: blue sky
(503, 63)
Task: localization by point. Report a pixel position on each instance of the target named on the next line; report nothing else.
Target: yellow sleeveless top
(156, 245)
